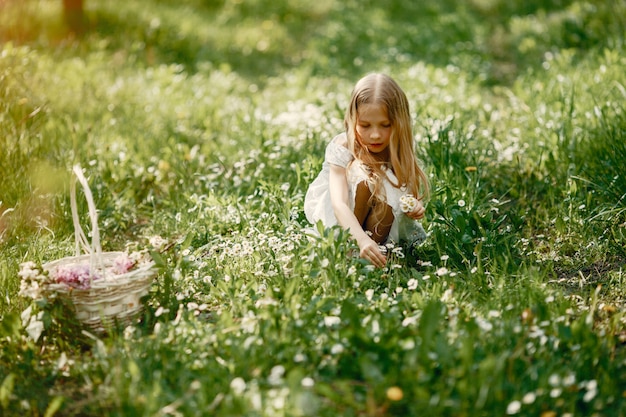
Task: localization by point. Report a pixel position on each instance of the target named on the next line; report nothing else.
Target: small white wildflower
(447, 295)
(307, 382)
(369, 294)
(375, 327)
(330, 321)
(485, 325)
(529, 398)
(63, 361)
(276, 375)
(569, 380)
(592, 385)
(279, 403)
(589, 395)
(336, 349)
(554, 380)
(442, 271)
(409, 321)
(592, 390)
(157, 242)
(249, 322)
(461, 203)
(398, 251)
(28, 270)
(555, 392)
(407, 344)
(411, 284)
(238, 385)
(30, 289)
(514, 407)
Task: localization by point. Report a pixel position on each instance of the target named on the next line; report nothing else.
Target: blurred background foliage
(493, 40)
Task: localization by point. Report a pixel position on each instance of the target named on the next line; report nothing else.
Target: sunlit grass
(200, 126)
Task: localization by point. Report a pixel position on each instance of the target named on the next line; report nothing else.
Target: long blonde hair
(382, 89)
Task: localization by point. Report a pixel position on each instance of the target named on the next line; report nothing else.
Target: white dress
(317, 204)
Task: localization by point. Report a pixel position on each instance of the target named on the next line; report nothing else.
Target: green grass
(203, 122)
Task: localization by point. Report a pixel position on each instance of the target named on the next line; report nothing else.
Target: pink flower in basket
(75, 276)
(123, 264)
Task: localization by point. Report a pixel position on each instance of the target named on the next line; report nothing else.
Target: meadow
(199, 125)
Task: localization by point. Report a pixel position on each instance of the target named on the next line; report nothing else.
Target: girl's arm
(368, 249)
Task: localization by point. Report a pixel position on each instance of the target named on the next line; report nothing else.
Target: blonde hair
(383, 90)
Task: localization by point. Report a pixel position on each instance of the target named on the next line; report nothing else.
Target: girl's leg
(377, 221)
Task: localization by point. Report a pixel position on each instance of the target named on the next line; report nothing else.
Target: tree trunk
(74, 16)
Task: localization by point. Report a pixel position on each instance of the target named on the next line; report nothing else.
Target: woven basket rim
(134, 276)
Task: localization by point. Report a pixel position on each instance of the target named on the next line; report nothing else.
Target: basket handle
(95, 250)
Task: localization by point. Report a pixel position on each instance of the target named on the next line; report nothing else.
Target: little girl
(370, 170)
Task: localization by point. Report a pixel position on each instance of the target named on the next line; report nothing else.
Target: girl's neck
(382, 157)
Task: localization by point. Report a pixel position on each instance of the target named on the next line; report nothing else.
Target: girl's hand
(369, 250)
(418, 212)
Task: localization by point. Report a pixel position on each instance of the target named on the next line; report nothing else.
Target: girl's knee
(375, 216)
(362, 202)
(381, 218)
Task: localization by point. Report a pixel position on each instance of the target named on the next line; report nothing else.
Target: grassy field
(200, 124)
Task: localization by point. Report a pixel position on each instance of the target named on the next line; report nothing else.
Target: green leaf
(6, 389)
(370, 368)
(54, 406)
(429, 322)
(10, 325)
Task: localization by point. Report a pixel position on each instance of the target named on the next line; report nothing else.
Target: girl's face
(373, 128)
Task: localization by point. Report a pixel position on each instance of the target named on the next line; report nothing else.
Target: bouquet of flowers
(410, 231)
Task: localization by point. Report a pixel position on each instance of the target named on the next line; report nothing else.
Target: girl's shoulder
(341, 140)
(337, 152)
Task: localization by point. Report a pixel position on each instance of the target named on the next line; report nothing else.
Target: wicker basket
(112, 298)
